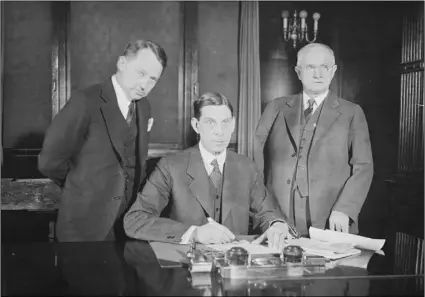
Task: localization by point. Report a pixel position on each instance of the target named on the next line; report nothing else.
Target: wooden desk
(131, 269)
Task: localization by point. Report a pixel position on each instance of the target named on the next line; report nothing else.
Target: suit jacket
(340, 166)
(180, 183)
(82, 150)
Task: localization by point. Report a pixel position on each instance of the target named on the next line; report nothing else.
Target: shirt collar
(318, 100)
(207, 157)
(121, 96)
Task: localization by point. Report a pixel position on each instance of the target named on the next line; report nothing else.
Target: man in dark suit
(96, 147)
(314, 149)
(208, 190)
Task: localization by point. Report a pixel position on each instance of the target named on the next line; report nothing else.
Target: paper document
(252, 249)
(360, 261)
(339, 237)
(168, 254)
(328, 250)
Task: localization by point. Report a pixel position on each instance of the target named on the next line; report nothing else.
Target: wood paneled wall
(411, 140)
(218, 41)
(27, 77)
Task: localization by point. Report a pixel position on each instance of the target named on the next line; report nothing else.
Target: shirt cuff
(275, 221)
(186, 238)
(292, 230)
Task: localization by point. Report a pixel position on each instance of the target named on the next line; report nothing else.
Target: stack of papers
(328, 250)
(335, 245)
(357, 241)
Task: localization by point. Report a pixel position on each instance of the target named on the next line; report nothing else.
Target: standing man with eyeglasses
(314, 149)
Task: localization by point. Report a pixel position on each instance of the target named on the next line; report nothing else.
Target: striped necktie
(130, 113)
(215, 175)
(308, 110)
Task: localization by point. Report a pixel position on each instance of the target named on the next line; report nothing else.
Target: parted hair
(133, 47)
(208, 99)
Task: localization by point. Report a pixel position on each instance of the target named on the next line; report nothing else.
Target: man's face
(316, 70)
(215, 127)
(139, 74)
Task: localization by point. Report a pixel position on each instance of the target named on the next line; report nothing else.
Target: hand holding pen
(213, 233)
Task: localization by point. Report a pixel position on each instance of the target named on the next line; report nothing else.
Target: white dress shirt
(123, 102)
(317, 100)
(207, 158)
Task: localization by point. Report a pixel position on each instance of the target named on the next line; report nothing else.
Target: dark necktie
(308, 110)
(215, 174)
(130, 113)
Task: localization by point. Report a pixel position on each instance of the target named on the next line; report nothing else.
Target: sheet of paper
(169, 254)
(253, 249)
(360, 261)
(328, 250)
(339, 237)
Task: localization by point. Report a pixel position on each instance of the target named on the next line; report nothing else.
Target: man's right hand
(212, 233)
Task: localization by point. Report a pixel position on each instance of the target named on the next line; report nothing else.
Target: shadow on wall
(20, 161)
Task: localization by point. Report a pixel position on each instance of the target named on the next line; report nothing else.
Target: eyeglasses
(311, 68)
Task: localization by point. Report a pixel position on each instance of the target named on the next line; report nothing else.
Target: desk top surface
(131, 268)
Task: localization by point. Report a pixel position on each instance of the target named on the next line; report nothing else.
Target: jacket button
(288, 181)
(293, 155)
(117, 197)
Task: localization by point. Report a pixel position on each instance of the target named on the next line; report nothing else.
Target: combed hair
(310, 46)
(208, 99)
(133, 47)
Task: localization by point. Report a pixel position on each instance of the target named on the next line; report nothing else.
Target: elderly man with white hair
(314, 149)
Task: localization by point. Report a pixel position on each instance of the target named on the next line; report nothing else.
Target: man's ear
(298, 72)
(334, 68)
(233, 124)
(121, 63)
(194, 122)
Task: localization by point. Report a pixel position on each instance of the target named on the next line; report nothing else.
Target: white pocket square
(150, 123)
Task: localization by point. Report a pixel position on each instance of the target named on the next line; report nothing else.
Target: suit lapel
(292, 116)
(327, 117)
(199, 184)
(112, 117)
(230, 189)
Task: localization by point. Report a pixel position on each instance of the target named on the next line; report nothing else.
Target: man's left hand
(339, 221)
(276, 236)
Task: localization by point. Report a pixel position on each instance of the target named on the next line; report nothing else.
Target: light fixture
(297, 29)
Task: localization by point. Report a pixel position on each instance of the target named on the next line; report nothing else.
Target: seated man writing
(208, 190)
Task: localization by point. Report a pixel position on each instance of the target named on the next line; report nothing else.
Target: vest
(130, 159)
(216, 196)
(305, 141)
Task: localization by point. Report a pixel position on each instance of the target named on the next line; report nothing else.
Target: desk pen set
(237, 263)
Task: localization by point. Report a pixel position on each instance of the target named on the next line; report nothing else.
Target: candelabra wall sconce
(297, 29)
